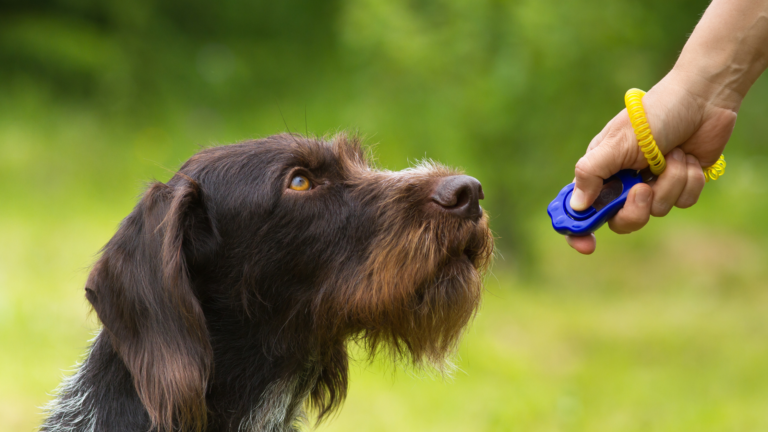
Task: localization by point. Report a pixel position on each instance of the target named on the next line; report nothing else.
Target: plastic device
(568, 221)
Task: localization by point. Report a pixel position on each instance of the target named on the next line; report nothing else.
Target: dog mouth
(469, 254)
(475, 251)
(478, 248)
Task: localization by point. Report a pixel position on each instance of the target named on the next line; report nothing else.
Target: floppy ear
(141, 291)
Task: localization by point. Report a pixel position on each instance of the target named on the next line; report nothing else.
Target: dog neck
(260, 382)
(280, 407)
(100, 396)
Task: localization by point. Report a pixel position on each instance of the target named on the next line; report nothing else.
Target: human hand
(691, 125)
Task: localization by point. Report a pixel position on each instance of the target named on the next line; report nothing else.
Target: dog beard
(422, 289)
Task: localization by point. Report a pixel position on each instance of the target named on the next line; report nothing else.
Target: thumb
(617, 150)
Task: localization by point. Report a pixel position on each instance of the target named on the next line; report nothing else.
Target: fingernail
(578, 202)
(643, 196)
(691, 160)
(677, 155)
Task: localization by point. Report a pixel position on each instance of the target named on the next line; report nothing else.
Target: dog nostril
(462, 197)
(459, 195)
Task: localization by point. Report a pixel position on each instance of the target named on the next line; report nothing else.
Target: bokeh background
(662, 330)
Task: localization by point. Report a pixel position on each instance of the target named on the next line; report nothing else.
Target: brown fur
(224, 287)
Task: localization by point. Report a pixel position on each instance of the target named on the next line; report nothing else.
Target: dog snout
(460, 195)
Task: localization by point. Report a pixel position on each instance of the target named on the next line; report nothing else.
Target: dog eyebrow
(341, 155)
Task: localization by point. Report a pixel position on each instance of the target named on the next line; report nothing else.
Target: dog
(228, 295)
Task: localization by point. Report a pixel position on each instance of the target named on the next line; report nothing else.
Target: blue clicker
(568, 221)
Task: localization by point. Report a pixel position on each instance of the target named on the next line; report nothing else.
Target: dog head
(303, 237)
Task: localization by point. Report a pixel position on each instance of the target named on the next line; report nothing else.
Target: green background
(662, 330)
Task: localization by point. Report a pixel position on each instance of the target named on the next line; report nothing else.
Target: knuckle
(617, 140)
(688, 198)
(637, 220)
(698, 179)
(686, 201)
(635, 223)
(616, 227)
(583, 167)
(627, 223)
(660, 209)
(676, 170)
(595, 141)
(681, 172)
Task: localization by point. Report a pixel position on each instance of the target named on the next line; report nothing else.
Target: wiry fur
(228, 300)
(72, 409)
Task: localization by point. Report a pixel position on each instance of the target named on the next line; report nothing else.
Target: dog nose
(460, 195)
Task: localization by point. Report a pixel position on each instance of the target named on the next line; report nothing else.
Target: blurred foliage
(96, 98)
(498, 87)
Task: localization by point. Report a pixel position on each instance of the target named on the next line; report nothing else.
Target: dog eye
(300, 183)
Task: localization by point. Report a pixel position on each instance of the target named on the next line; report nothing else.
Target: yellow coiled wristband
(633, 99)
(716, 170)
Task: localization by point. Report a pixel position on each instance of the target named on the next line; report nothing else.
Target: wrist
(711, 82)
(727, 51)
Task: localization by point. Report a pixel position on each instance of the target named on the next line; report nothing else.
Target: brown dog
(229, 294)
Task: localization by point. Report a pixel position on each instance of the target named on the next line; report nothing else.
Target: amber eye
(299, 183)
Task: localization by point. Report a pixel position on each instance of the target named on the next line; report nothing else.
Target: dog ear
(141, 290)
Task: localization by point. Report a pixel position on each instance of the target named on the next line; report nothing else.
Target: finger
(594, 143)
(636, 211)
(596, 140)
(670, 184)
(694, 185)
(618, 149)
(583, 244)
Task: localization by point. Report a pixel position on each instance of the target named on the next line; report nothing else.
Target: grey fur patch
(281, 407)
(71, 409)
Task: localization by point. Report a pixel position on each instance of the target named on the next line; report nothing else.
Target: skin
(691, 111)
